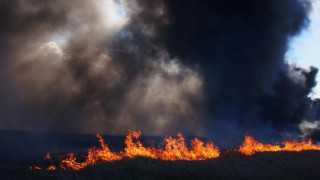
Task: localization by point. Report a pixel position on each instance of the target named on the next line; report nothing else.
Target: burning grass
(174, 149)
(250, 146)
(230, 164)
(234, 165)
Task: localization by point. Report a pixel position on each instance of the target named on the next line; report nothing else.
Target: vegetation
(267, 165)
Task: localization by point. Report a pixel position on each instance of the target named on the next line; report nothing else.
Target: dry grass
(276, 165)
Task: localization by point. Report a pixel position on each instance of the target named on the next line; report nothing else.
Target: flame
(134, 149)
(94, 154)
(175, 149)
(250, 146)
(52, 168)
(47, 156)
(35, 168)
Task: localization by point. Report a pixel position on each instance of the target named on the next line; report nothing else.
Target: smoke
(90, 67)
(240, 48)
(206, 68)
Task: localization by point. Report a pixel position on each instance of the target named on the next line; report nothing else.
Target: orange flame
(52, 168)
(250, 146)
(175, 149)
(134, 149)
(35, 168)
(94, 155)
(47, 156)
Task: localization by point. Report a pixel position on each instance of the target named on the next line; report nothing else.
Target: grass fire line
(175, 149)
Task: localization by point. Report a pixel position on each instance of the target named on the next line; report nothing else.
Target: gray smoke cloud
(104, 66)
(86, 67)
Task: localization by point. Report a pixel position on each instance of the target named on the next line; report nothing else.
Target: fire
(94, 154)
(51, 168)
(134, 149)
(175, 149)
(47, 156)
(250, 146)
(35, 168)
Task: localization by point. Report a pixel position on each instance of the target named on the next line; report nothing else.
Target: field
(276, 165)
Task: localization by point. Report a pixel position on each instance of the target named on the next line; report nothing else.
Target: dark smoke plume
(204, 67)
(240, 48)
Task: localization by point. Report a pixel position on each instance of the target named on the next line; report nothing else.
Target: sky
(304, 49)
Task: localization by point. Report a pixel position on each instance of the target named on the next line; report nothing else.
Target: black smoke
(206, 67)
(240, 47)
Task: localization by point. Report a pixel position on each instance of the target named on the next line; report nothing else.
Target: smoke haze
(209, 68)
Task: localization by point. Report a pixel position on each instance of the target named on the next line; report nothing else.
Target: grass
(268, 165)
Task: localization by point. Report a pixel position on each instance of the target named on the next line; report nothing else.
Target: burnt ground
(269, 165)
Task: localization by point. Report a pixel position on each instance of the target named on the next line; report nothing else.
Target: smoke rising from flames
(105, 65)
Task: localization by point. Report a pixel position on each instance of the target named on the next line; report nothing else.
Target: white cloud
(304, 50)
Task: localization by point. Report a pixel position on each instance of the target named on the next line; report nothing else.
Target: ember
(35, 168)
(51, 168)
(47, 156)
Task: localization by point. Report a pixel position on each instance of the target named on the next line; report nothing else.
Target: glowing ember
(47, 156)
(35, 167)
(51, 168)
(175, 149)
(251, 146)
